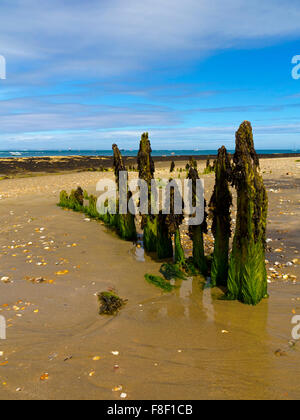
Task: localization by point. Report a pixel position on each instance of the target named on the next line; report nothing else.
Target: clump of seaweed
(247, 276)
(159, 282)
(110, 303)
(74, 201)
(219, 208)
(172, 271)
(63, 199)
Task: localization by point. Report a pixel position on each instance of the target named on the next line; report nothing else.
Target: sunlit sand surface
(187, 344)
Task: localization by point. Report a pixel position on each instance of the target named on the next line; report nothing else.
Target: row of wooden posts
(241, 271)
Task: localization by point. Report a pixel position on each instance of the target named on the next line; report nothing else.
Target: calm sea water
(34, 153)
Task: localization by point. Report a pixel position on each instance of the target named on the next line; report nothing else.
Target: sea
(41, 153)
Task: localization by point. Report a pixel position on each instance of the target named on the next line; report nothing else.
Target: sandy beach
(186, 344)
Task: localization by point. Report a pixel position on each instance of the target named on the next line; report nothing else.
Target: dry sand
(182, 345)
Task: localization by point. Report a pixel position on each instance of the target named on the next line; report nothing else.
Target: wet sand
(181, 345)
(33, 166)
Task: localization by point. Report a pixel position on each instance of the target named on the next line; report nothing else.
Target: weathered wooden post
(247, 276)
(146, 172)
(219, 207)
(164, 238)
(196, 232)
(173, 222)
(125, 223)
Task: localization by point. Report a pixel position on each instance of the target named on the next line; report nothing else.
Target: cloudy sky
(82, 75)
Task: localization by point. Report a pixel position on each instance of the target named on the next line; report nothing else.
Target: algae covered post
(125, 223)
(164, 239)
(196, 232)
(173, 222)
(118, 164)
(146, 172)
(219, 207)
(247, 277)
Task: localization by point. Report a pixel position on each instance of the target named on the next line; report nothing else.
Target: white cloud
(36, 114)
(110, 37)
(52, 41)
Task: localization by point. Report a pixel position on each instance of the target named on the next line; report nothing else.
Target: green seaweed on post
(178, 249)
(91, 210)
(247, 276)
(199, 258)
(63, 199)
(125, 225)
(149, 225)
(74, 201)
(79, 196)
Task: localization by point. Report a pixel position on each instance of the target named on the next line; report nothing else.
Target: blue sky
(83, 75)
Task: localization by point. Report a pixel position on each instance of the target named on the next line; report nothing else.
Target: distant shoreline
(54, 164)
(178, 153)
